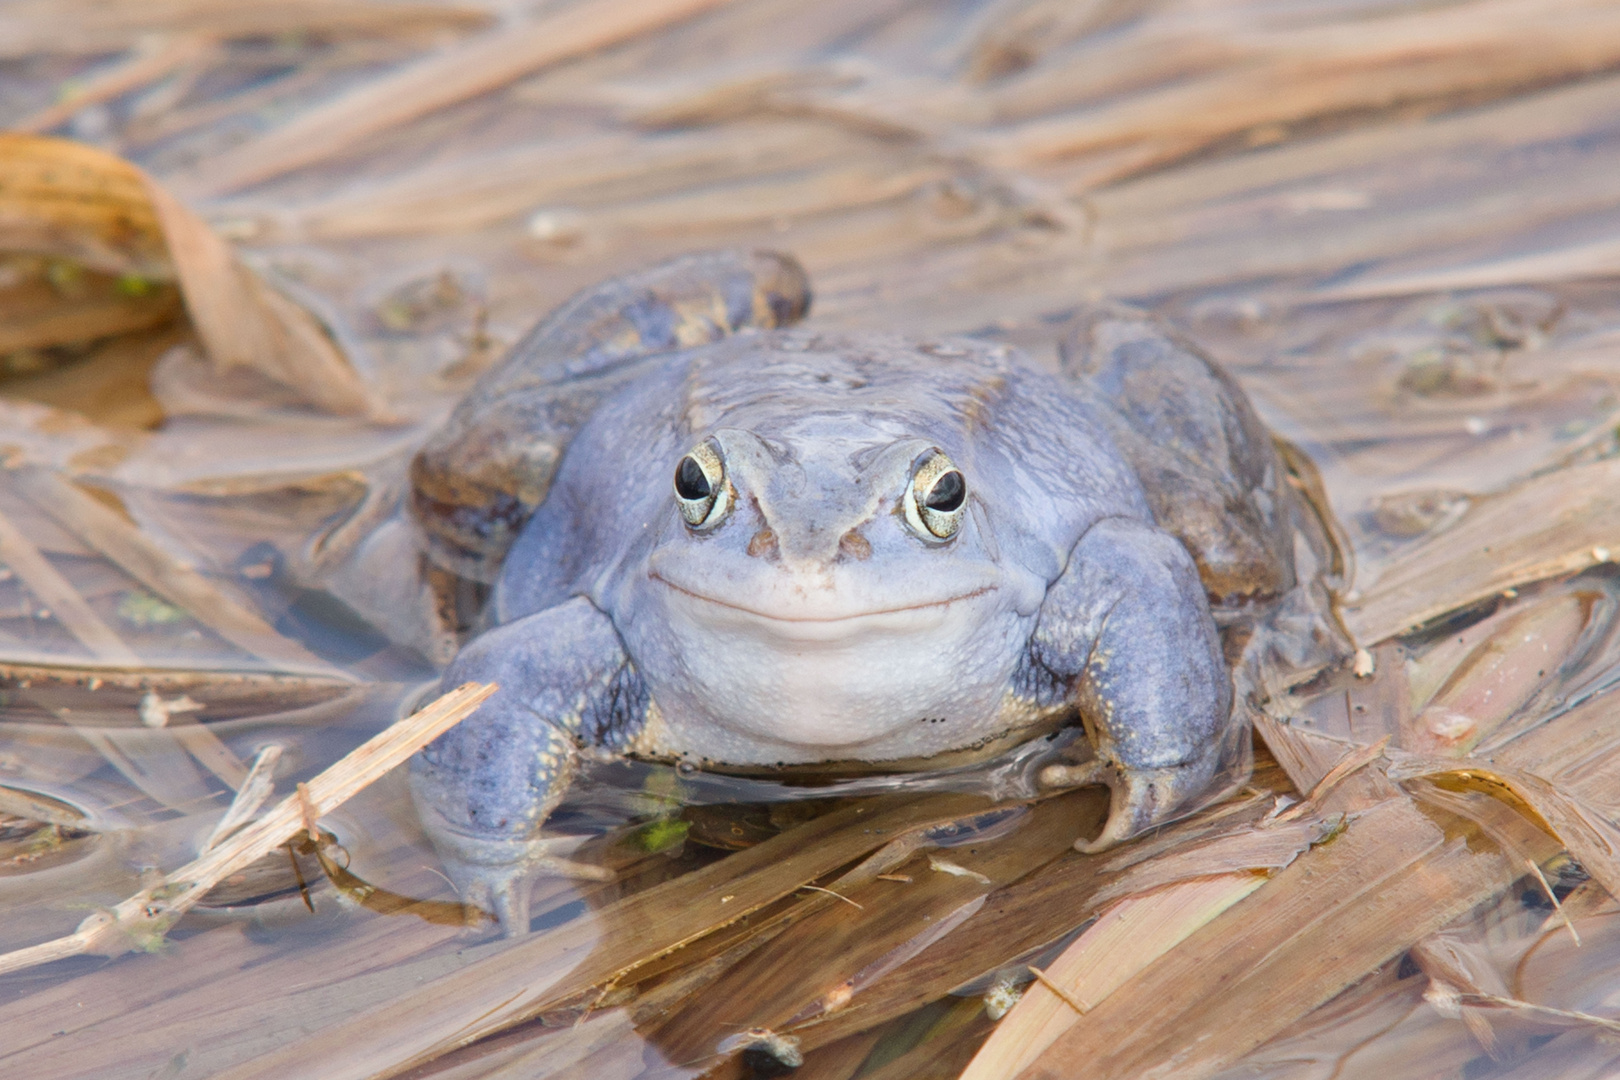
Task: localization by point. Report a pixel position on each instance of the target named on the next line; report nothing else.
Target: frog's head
(831, 583)
(819, 503)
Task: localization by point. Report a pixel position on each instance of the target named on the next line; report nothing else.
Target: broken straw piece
(944, 866)
(141, 921)
(155, 711)
(256, 789)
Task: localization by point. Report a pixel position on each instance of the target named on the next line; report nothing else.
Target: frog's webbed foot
(495, 877)
(1139, 798)
(495, 889)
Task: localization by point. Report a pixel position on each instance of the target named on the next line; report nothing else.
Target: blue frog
(717, 539)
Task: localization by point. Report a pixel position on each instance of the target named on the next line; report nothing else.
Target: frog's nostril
(762, 543)
(855, 546)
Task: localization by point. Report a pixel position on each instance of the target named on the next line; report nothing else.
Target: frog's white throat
(829, 678)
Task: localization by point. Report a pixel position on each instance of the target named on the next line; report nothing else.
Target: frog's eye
(937, 497)
(701, 490)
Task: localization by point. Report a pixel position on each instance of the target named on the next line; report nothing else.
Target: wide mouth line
(820, 618)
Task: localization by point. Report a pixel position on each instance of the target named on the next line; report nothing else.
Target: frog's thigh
(1208, 464)
(484, 788)
(1128, 630)
(1170, 391)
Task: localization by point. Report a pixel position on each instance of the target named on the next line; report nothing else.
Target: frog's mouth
(815, 618)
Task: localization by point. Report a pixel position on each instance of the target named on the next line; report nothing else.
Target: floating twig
(829, 892)
(1068, 999)
(1558, 908)
(141, 921)
(255, 789)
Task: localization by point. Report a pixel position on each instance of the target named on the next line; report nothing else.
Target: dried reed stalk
(25, 805)
(234, 687)
(1338, 912)
(246, 323)
(1564, 522)
(105, 531)
(1290, 76)
(1569, 262)
(1584, 830)
(1247, 850)
(107, 26)
(58, 594)
(1129, 937)
(61, 197)
(839, 187)
(151, 59)
(464, 71)
(473, 192)
(529, 975)
(141, 921)
(64, 198)
(896, 923)
(99, 312)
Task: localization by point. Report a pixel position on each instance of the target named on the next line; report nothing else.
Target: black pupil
(690, 483)
(947, 493)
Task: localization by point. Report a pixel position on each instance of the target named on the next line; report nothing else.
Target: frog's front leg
(1126, 634)
(484, 788)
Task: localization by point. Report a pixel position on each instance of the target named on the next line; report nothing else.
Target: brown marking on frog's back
(978, 407)
(1211, 472)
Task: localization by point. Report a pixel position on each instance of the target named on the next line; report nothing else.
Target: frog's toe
(490, 897)
(1072, 776)
(494, 879)
(1140, 798)
(492, 893)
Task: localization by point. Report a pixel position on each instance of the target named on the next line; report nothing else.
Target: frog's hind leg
(1209, 467)
(480, 477)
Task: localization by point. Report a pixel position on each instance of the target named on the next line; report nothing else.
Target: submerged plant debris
(251, 252)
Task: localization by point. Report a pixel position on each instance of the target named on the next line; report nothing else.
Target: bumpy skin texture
(480, 477)
(814, 622)
(1205, 461)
